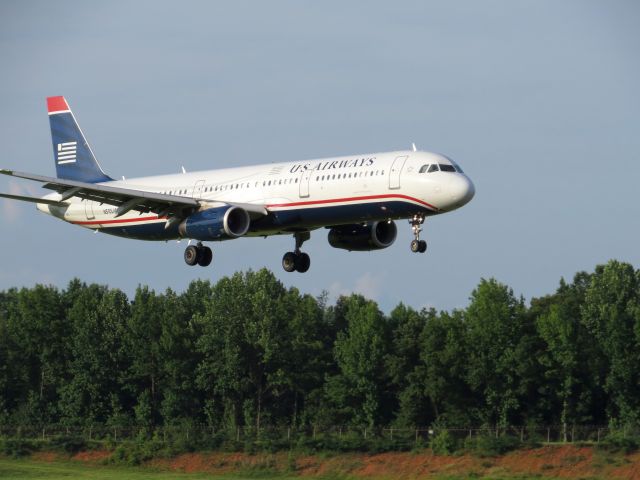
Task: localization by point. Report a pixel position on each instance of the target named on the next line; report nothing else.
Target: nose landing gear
(417, 245)
(198, 254)
(297, 260)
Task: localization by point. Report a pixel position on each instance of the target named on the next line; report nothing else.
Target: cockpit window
(455, 165)
(423, 168)
(433, 168)
(446, 168)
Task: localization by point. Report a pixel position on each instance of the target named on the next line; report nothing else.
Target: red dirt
(46, 456)
(566, 461)
(92, 456)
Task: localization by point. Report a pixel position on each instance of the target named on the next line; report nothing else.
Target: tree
(142, 341)
(445, 355)
(404, 365)
(94, 392)
(495, 319)
(258, 350)
(360, 389)
(611, 312)
(571, 360)
(37, 331)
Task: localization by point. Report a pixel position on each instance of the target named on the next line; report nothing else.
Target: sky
(538, 101)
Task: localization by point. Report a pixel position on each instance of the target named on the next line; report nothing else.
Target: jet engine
(372, 236)
(218, 223)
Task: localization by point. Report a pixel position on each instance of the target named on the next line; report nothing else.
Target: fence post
(416, 435)
(391, 433)
(314, 432)
(365, 433)
(548, 435)
(237, 434)
(521, 434)
(598, 441)
(115, 434)
(42, 433)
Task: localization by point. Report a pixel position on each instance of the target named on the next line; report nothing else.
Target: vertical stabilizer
(71, 152)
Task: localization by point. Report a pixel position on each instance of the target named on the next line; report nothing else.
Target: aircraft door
(197, 189)
(88, 209)
(394, 172)
(305, 178)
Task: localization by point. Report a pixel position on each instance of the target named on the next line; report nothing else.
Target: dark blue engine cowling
(216, 223)
(372, 236)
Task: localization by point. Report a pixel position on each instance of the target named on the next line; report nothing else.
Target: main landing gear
(417, 245)
(198, 254)
(297, 260)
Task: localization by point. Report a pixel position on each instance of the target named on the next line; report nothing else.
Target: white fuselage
(298, 195)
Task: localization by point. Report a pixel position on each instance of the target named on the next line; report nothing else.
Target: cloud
(11, 209)
(368, 284)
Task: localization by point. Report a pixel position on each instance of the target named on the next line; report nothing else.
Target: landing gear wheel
(417, 245)
(191, 255)
(303, 262)
(297, 260)
(289, 262)
(206, 255)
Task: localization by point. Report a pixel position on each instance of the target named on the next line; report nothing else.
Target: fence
(541, 434)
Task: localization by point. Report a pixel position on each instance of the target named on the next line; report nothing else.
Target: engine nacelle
(216, 223)
(372, 236)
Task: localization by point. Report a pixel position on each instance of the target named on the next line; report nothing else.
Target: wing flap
(116, 196)
(126, 199)
(33, 199)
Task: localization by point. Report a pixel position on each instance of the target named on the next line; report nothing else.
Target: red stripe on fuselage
(293, 204)
(352, 199)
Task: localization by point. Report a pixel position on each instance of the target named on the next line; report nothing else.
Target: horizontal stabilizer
(33, 199)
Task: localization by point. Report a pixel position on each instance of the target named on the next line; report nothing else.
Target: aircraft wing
(33, 199)
(125, 199)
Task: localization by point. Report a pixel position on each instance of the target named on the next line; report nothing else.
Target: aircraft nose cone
(462, 190)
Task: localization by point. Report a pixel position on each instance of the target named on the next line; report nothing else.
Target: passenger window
(423, 168)
(433, 168)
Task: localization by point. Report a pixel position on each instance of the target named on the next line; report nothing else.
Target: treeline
(246, 351)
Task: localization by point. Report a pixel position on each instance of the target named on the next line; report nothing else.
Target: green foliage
(17, 447)
(247, 357)
(443, 443)
(139, 451)
(68, 444)
(620, 440)
(359, 389)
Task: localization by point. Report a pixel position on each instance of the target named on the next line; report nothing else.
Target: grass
(26, 469)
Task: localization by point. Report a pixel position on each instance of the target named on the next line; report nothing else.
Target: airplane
(357, 198)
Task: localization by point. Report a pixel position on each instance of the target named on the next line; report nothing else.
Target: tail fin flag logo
(67, 152)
